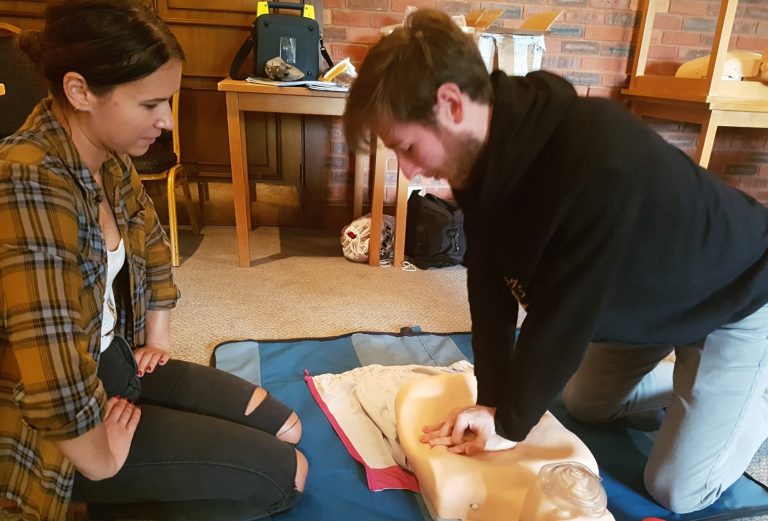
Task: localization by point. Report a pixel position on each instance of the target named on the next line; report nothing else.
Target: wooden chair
(163, 162)
(21, 85)
(711, 101)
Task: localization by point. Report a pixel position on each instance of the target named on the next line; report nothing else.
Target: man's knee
(677, 495)
(585, 409)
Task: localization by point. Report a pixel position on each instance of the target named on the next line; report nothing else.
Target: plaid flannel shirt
(53, 270)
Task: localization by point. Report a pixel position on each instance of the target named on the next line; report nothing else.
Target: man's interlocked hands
(469, 431)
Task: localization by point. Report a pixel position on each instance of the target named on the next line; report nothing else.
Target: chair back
(176, 141)
(24, 86)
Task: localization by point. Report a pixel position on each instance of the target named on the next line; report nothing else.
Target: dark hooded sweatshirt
(603, 232)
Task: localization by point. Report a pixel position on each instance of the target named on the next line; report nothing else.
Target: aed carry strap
(308, 11)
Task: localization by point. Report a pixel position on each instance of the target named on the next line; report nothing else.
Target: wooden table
(244, 97)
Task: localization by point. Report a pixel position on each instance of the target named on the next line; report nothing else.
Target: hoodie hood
(526, 112)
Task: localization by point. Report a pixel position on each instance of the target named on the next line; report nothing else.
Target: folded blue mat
(336, 487)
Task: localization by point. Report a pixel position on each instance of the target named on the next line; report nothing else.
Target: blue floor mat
(336, 487)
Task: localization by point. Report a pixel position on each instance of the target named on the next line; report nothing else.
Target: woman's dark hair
(109, 42)
(399, 78)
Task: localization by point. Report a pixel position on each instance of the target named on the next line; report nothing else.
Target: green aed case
(295, 38)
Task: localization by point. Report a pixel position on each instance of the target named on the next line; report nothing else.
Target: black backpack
(434, 232)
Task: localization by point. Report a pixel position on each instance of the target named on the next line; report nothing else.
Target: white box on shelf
(515, 54)
(515, 51)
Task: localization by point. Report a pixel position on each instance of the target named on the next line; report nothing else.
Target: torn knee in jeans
(302, 470)
(258, 396)
(291, 430)
(268, 414)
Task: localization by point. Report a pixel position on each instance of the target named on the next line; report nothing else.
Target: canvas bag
(355, 238)
(434, 232)
(295, 39)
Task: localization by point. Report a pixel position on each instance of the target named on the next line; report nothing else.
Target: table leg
(377, 202)
(240, 192)
(401, 213)
(362, 162)
(707, 139)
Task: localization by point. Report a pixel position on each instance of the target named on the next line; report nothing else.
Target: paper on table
(324, 85)
(310, 84)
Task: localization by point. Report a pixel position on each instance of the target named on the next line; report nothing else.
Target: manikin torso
(489, 486)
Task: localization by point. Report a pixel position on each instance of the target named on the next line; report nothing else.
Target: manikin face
(132, 116)
(436, 152)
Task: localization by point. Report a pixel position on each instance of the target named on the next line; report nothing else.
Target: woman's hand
(157, 348)
(148, 357)
(101, 452)
(120, 422)
(470, 431)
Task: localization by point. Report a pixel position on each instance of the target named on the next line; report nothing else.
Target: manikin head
(425, 91)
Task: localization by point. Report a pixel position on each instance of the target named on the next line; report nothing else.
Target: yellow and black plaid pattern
(52, 275)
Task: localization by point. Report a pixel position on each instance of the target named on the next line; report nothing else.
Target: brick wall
(591, 45)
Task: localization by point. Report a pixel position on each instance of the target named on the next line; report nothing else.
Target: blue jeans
(716, 406)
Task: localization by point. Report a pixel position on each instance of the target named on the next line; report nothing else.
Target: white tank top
(115, 260)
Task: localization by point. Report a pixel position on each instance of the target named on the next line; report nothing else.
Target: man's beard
(461, 153)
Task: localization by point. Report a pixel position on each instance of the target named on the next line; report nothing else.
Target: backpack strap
(242, 54)
(324, 52)
(245, 49)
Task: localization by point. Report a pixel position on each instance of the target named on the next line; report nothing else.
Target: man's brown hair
(399, 78)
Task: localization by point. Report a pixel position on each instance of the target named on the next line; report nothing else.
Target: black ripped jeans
(195, 454)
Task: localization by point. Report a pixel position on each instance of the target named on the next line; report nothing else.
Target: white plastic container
(566, 491)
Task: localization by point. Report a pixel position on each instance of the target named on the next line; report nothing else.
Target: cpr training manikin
(549, 476)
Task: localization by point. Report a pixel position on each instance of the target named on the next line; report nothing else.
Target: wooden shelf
(712, 101)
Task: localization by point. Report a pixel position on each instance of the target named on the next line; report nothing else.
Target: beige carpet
(299, 285)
